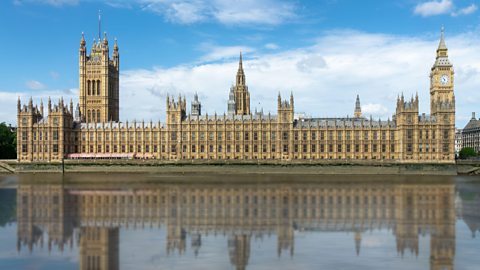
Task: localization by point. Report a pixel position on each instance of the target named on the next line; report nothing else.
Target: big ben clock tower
(442, 103)
(441, 79)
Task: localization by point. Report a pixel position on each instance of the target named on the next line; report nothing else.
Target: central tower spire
(358, 108)
(240, 73)
(241, 96)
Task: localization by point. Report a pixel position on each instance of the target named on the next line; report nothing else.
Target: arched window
(98, 115)
(89, 87)
(89, 116)
(98, 88)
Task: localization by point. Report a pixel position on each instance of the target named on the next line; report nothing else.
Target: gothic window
(409, 134)
(88, 87)
(93, 88)
(89, 116)
(98, 88)
(445, 147)
(98, 115)
(24, 121)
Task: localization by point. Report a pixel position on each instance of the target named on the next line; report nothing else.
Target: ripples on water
(95, 221)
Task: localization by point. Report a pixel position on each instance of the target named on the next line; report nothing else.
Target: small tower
(196, 107)
(240, 92)
(231, 101)
(358, 108)
(285, 109)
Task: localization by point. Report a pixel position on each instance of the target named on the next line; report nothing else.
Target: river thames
(260, 221)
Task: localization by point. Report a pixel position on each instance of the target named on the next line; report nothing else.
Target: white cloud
(442, 7)
(8, 101)
(325, 77)
(215, 52)
(35, 85)
(56, 3)
(55, 75)
(267, 12)
(466, 11)
(432, 8)
(377, 109)
(272, 46)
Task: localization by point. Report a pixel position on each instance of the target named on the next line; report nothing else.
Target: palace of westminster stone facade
(94, 130)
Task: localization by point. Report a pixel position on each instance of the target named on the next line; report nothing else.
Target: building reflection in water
(90, 215)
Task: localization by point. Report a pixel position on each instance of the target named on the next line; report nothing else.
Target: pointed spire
(41, 107)
(441, 45)
(358, 109)
(82, 40)
(115, 46)
(240, 63)
(19, 104)
(105, 40)
(99, 24)
(240, 72)
(358, 242)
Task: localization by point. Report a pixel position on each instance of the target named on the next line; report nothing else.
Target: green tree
(8, 142)
(467, 152)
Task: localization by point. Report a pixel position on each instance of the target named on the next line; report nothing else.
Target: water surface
(146, 221)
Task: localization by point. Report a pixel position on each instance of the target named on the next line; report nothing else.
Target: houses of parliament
(93, 129)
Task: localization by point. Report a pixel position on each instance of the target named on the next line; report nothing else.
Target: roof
(343, 122)
(473, 124)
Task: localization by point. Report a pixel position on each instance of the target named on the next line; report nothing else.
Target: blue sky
(324, 51)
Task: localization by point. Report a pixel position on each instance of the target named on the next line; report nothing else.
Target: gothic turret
(240, 91)
(358, 109)
(196, 107)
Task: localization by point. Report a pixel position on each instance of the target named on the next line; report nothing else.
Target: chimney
(473, 115)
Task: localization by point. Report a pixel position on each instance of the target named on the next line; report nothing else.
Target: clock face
(444, 79)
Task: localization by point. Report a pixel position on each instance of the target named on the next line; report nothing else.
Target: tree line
(8, 142)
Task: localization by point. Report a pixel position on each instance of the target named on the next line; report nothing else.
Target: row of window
(93, 87)
(229, 135)
(247, 148)
(41, 148)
